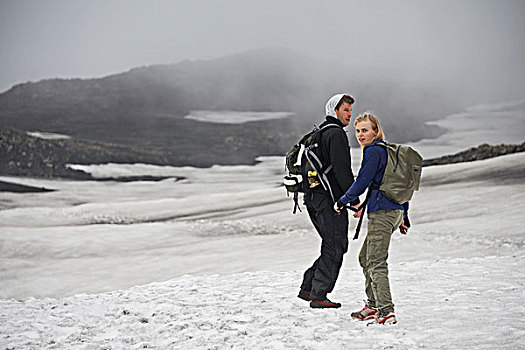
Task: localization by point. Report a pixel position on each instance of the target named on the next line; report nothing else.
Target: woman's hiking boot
(384, 318)
(365, 313)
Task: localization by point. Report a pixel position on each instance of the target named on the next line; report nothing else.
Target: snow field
(215, 260)
(445, 304)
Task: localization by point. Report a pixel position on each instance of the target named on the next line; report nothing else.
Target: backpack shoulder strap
(382, 143)
(330, 125)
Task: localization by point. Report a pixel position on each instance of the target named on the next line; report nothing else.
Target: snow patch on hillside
(235, 117)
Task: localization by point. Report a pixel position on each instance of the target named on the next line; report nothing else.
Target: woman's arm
(367, 172)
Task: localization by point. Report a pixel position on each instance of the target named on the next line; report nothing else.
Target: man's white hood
(332, 102)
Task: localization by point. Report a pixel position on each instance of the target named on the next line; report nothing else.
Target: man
(320, 278)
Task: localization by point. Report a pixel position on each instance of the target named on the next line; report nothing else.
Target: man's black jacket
(335, 150)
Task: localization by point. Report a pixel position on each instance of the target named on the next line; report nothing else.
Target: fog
(473, 46)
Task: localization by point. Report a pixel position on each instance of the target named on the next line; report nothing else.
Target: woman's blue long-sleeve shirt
(372, 169)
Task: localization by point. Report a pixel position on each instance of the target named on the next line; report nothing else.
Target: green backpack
(402, 173)
(401, 178)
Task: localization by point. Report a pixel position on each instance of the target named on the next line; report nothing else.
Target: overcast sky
(453, 41)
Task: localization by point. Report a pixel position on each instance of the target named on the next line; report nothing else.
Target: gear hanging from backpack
(305, 167)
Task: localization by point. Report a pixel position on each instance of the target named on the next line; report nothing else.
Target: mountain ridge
(130, 108)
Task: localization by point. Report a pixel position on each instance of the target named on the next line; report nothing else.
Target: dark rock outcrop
(6, 186)
(24, 155)
(483, 151)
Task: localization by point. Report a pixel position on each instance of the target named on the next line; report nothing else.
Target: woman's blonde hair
(368, 116)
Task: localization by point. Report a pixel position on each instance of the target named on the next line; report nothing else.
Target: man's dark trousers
(333, 228)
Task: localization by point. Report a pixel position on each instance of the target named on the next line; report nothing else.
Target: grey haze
(475, 46)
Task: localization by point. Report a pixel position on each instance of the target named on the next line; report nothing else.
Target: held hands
(338, 206)
(403, 228)
(358, 213)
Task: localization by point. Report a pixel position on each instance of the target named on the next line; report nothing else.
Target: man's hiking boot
(323, 303)
(304, 294)
(365, 313)
(384, 318)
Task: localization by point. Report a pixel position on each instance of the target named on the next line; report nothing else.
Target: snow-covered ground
(215, 260)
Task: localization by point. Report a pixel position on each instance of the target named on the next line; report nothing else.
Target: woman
(384, 217)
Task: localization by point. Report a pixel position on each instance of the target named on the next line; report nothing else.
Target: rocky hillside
(25, 155)
(483, 151)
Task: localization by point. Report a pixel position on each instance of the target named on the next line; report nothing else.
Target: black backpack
(305, 167)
